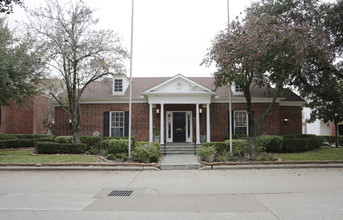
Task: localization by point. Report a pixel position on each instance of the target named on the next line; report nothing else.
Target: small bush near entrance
(64, 139)
(206, 151)
(57, 148)
(146, 151)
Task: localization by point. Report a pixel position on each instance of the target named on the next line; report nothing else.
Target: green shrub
(34, 136)
(7, 136)
(236, 136)
(227, 156)
(116, 146)
(64, 139)
(305, 136)
(294, 145)
(239, 147)
(206, 151)
(19, 143)
(57, 148)
(93, 151)
(122, 156)
(263, 156)
(219, 146)
(111, 157)
(288, 136)
(331, 139)
(145, 150)
(270, 143)
(116, 138)
(91, 141)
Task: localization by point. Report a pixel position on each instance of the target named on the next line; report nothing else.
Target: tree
(69, 40)
(20, 67)
(325, 108)
(6, 6)
(260, 51)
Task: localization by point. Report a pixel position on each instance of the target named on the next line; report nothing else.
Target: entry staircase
(180, 148)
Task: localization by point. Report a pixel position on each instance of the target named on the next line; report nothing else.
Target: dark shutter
(106, 124)
(126, 127)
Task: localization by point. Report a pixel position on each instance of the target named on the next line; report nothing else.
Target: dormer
(237, 89)
(120, 84)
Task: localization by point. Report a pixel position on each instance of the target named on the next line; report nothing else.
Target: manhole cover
(120, 193)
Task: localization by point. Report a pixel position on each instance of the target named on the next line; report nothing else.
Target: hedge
(301, 144)
(33, 136)
(64, 139)
(57, 148)
(19, 143)
(270, 143)
(7, 136)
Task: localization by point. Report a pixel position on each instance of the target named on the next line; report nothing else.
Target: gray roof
(103, 89)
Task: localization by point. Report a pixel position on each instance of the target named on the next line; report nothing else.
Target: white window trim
(110, 127)
(234, 124)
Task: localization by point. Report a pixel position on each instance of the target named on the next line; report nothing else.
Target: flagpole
(230, 95)
(130, 101)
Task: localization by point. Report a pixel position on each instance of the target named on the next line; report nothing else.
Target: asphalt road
(196, 194)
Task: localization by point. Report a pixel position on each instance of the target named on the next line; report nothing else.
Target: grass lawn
(324, 153)
(23, 156)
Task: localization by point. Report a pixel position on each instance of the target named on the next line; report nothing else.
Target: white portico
(178, 124)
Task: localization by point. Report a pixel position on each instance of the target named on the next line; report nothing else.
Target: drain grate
(120, 193)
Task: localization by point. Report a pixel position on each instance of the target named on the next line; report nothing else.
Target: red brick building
(177, 109)
(27, 118)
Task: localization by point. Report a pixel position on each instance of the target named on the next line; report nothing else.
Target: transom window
(240, 122)
(118, 85)
(117, 124)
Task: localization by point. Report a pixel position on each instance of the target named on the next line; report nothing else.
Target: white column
(197, 124)
(208, 124)
(150, 123)
(162, 125)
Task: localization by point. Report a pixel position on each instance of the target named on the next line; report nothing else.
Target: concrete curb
(78, 168)
(271, 166)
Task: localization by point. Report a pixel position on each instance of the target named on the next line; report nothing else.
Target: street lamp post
(130, 100)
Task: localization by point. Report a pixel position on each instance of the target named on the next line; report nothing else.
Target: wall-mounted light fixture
(200, 111)
(70, 122)
(285, 120)
(157, 111)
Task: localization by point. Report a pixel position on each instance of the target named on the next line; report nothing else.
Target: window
(118, 85)
(117, 124)
(238, 89)
(240, 122)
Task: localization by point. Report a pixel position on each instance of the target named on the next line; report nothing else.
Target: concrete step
(176, 148)
(180, 162)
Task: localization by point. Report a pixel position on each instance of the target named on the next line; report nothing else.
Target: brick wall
(92, 119)
(16, 119)
(293, 124)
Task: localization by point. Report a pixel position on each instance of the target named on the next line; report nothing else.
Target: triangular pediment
(178, 84)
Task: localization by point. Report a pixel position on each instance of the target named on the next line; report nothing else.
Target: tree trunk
(253, 130)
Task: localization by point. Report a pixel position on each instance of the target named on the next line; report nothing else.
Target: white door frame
(170, 130)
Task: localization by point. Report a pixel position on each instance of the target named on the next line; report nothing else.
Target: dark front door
(179, 126)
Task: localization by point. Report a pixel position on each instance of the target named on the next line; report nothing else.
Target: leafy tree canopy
(20, 67)
(6, 6)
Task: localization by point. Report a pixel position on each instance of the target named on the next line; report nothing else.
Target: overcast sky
(170, 36)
